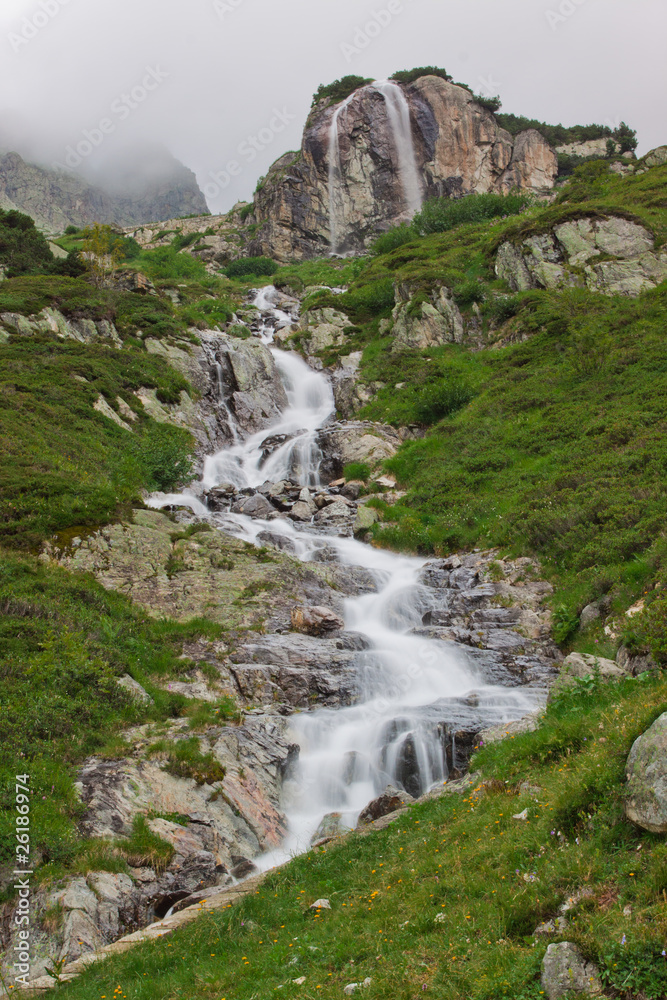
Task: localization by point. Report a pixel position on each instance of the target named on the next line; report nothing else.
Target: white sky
(229, 69)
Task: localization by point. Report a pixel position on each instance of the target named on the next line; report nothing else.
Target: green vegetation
(24, 250)
(184, 759)
(410, 75)
(255, 266)
(564, 135)
(445, 901)
(63, 463)
(439, 215)
(339, 90)
(64, 640)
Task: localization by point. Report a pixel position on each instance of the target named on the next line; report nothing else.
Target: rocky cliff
(459, 148)
(56, 199)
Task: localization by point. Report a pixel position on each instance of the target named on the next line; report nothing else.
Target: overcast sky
(205, 76)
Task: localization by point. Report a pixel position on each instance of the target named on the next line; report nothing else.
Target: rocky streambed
(361, 674)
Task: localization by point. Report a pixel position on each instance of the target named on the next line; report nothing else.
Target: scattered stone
(578, 666)
(320, 904)
(565, 971)
(316, 620)
(353, 987)
(300, 981)
(521, 816)
(365, 519)
(255, 506)
(242, 867)
(440, 918)
(528, 724)
(557, 926)
(331, 826)
(646, 772)
(391, 799)
(590, 614)
(134, 688)
(635, 665)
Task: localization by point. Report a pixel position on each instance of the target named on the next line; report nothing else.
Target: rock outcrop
(614, 255)
(459, 149)
(56, 199)
(646, 772)
(566, 972)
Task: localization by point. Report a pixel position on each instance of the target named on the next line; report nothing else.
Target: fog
(220, 81)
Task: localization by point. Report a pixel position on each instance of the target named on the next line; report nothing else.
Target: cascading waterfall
(407, 683)
(335, 173)
(398, 114)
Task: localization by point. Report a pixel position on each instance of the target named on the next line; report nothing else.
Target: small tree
(626, 138)
(102, 252)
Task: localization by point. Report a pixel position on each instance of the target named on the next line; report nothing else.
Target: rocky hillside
(459, 147)
(56, 199)
(501, 402)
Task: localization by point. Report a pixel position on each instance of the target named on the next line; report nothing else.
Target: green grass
(64, 464)
(63, 641)
(464, 858)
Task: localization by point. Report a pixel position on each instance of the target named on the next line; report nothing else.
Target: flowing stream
(398, 114)
(407, 683)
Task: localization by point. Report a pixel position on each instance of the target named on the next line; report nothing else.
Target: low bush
(339, 90)
(441, 214)
(410, 75)
(251, 266)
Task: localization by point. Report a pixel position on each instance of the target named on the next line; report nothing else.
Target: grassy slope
(554, 446)
(493, 878)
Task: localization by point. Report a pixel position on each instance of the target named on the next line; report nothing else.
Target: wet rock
(282, 542)
(391, 799)
(242, 867)
(646, 773)
(336, 511)
(220, 497)
(255, 506)
(358, 441)
(331, 826)
(565, 971)
(316, 621)
(503, 730)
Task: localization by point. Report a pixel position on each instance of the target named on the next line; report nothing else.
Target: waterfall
(407, 683)
(398, 115)
(335, 172)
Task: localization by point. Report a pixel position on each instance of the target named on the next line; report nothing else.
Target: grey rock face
(614, 255)
(56, 199)
(459, 149)
(646, 773)
(565, 971)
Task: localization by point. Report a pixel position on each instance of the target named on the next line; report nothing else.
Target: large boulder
(316, 621)
(613, 255)
(423, 320)
(646, 773)
(577, 666)
(391, 799)
(566, 972)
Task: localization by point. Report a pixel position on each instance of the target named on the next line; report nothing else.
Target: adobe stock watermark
(225, 7)
(32, 24)
(565, 10)
(121, 109)
(22, 872)
(365, 33)
(248, 151)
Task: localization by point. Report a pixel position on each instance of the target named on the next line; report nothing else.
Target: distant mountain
(149, 186)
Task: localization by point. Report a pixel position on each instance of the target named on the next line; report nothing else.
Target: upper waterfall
(400, 125)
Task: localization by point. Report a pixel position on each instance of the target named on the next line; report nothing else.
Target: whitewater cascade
(398, 114)
(407, 683)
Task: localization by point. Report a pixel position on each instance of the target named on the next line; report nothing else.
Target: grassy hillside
(553, 445)
(444, 902)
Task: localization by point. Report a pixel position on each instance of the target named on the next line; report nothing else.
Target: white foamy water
(400, 124)
(407, 684)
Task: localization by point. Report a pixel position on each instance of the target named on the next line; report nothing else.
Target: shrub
(167, 262)
(247, 211)
(394, 238)
(339, 90)
(441, 214)
(255, 266)
(557, 135)
(357, 470)
(23, 249)
(410, 75)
